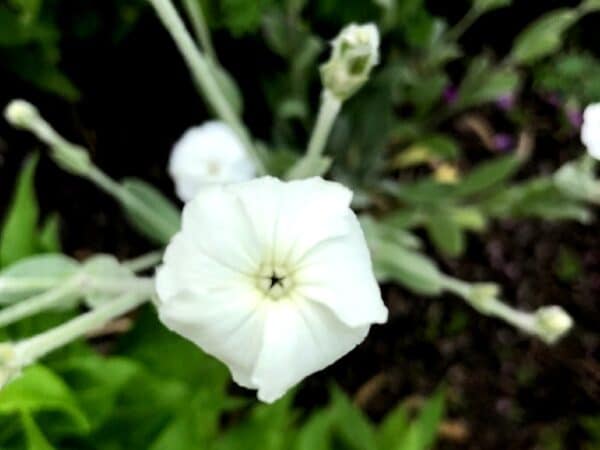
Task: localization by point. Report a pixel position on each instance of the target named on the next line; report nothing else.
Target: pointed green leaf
(35, 438)
(18, 238)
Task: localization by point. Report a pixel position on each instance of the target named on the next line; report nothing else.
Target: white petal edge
(299, 339)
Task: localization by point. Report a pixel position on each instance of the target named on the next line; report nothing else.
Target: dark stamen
(275, 280)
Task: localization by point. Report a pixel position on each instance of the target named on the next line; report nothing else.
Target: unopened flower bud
(19, 113)
(70, 157)
(355, 53)
(553, 323)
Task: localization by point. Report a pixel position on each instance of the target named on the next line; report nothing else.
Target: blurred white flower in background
(590, 130)
(273, 278)
(208, 154)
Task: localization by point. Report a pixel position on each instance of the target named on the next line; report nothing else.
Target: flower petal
(186, 268)
(261, 202)
(216, 225)
(314, 210)
(299, 338)
(338, 274)
(226, 323)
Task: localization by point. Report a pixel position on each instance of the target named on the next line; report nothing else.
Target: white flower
(273, 278)
(355, 53)
(590, 130)
(208, 154)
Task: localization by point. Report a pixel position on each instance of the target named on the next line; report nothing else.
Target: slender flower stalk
(40, 345)
(330, 107)
(548, 323)
(328, 112)
(25, 284)
(198, 19)
(75, 159)
(204, 76)
(65, 293)
(465, 23)
(144, 262)
(14, 357)
(355, 51)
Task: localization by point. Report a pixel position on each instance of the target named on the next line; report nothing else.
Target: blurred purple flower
(506, 102)
(553, 98)
(503, 142)
(450, 94)
(574, 116)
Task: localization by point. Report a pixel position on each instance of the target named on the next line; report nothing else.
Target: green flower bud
(553, 322)
(355, 53)
(20, 113)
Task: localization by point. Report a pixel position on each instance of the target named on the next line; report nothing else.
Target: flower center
(212, 167)
(274, 283)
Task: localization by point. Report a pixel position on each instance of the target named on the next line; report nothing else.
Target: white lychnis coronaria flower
(208, 154)
(355, 53)
(590, 130)
(273, 278)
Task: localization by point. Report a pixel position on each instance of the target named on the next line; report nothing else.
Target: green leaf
(352, 426)
(243, 16)
(18, 238)
(487, 175)
(166, 218)
(35, 438)
(163, 351)
(33, 275)
(315, 434)
(429, 420)
(49, 235)
(97, 381)
(544, 36)
(413, 270)
(229, 87)
(393, 429)
(483, 6)
(485, 83)
(424, 192)
(589, 6)
(196, 425)
(267, 427)
(43, 72)
(538, 197)
(39, 389)
(15, 32)
(446, 234)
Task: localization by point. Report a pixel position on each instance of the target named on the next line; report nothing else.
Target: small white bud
(19, 113)
(553, 322)
(590, 130)
(355, 53)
